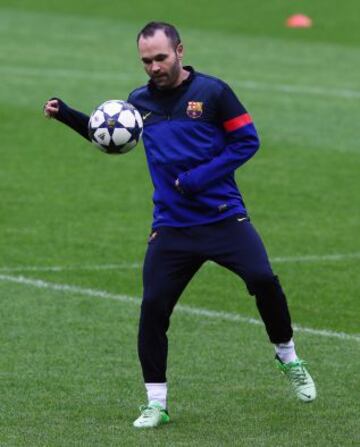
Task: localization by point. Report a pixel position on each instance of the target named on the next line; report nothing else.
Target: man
(196, 134)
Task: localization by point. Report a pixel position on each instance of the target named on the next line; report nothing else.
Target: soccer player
(196, 134)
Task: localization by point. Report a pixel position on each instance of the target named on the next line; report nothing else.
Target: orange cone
(299, 21)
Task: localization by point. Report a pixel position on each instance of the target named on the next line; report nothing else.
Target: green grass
(69, 368)
(70, 377)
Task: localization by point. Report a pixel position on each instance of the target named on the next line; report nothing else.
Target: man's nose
(155, 68)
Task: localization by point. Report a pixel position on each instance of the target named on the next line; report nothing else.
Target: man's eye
(160, 58)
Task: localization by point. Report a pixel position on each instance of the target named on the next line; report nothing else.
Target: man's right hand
(51, 108)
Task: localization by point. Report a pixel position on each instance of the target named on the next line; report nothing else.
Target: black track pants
(173, 257)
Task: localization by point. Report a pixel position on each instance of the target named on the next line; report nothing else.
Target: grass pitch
(74, 225)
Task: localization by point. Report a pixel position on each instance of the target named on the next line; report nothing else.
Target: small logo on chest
(194, 109)
(146, 116)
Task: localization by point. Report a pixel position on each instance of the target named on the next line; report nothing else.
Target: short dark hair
(169, 30)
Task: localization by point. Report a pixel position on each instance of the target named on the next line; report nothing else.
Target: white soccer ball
(115, 126)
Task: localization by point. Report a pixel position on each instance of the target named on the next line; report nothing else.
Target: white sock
(286, 351)
(157, 392)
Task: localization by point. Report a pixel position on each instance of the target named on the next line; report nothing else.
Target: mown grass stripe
(194, 311)
(50, 73)
(336, 257)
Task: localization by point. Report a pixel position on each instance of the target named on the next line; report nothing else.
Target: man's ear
(180, 51)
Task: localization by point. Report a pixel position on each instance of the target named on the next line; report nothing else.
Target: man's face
(161, 61)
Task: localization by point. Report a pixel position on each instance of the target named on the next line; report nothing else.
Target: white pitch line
(336, 257)
(50, 73)
(194, 311)
(63, 268)
(317, 258)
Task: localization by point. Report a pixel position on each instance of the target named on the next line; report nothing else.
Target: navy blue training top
(198, 132)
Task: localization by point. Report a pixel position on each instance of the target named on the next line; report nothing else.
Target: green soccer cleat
(151, 416)
(299, 378)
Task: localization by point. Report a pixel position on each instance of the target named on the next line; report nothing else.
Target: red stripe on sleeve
(238, 122)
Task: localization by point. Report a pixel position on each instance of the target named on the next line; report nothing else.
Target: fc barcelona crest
(194, 109)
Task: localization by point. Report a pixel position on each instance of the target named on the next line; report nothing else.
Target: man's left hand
(178, 186)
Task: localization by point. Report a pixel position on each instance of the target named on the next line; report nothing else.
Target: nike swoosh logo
(240, 219)
(144, 117)
(306, 395)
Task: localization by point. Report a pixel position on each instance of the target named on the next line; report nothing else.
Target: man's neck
(184, 74)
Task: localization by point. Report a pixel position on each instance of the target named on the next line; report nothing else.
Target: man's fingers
(53, 103)
(51, 108)
(50, 112)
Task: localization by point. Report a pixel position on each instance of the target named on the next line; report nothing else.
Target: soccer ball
(115, 126)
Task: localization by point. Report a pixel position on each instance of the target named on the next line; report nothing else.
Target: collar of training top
(185, 82)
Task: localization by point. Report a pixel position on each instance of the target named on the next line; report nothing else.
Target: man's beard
(168, 80)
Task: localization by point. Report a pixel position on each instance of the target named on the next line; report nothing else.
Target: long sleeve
(78, 121)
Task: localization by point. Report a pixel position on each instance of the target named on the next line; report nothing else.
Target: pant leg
(243, 252)
(168, 267)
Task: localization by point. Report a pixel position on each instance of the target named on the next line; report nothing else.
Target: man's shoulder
(210, 80)
(139, 91)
